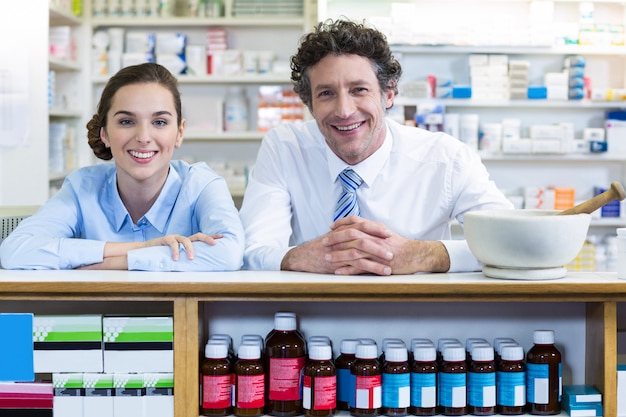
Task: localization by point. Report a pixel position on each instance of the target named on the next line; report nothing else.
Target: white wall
(24, 169)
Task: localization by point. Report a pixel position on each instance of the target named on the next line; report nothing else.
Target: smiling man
(353, 192)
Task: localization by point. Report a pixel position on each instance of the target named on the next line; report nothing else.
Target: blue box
(538, 92)
(461, 91)
(16, 351)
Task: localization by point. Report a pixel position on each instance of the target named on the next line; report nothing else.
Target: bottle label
(250, 391)
(423, 390)
(481, 389)
(511, 389)
(319, 393)
(368, 392)
(538, 383)
(452, 390)
(216, 391)
(345, 385)
(396, 390)
(284, 379)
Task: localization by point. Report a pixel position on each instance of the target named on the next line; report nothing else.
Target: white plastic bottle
(236, 110)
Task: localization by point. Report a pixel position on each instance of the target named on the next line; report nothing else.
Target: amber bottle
(320, 382)
(285, 354)
(543, 375)
(481, 382)
(345, 381)
(249, 398)
(452, 382)
(367, 372)
(511, 381)
(396, 381)
(424, 381)
(217, 376)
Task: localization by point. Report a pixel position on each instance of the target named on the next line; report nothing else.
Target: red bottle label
(250, 391)
(216, 391)
(368, 391)
(284, 378)
(323, 395)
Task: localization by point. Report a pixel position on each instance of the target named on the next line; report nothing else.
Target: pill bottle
(452, 383)
(424, 381)
(256, 339)
(481, 382)
(249, 372)
(511, 381)
(543, 375)
(416, 342)
(441, 345)
(345, 381)
(396, 381)
(385, 344)
(236, 110)
(285, 353)
(496, 346)
(228, 340)
(319, 396)
(217, 376)
(367, 397)
(621, 253)
(473, 345)
(469, 342)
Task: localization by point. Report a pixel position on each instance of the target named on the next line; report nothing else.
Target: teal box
(575, 394)
(16, 349)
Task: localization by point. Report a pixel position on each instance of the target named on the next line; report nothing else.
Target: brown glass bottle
(285, 355)
(481, 382)
(424, 381)
(368, 380)
(452, 379)
(249, 382)
(396, 381)
(511, 381)
(216, 374)
(543, 362)
(320, 382)
(345, 383)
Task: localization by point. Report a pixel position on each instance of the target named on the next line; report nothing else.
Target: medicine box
(68, 394)
(621, 390)
(128, 397)
(16, 351)
(67, 343)
(158, 400)
(26, 398)
(138, 344)
(573, 394)
(98, 399)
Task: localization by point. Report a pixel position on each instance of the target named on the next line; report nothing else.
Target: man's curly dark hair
(343, 37)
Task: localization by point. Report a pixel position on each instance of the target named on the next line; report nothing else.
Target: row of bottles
(277, 376)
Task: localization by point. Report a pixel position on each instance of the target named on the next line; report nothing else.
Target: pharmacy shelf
(60, 17)
(554, 158)
(57, 64)
(182, 22)
(253, 79)
(193, 134)
(56, 112)
(531, 104)
(598, 50)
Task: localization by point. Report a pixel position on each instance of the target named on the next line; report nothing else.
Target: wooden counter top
(265, 285)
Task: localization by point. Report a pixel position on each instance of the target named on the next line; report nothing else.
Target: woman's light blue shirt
(71, 228)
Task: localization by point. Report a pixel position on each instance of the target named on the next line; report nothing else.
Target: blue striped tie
(347, 204)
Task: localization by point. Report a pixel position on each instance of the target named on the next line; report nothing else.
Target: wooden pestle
(615, 192)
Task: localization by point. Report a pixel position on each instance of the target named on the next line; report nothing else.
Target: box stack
(268, 8)
(170, 51)
(582, 401)
(489, 76)
(518, 79)
(33, 399)
(575, 69)
(564, 197)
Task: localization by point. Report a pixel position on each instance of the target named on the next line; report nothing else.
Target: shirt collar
(158, 214)
(367, 169)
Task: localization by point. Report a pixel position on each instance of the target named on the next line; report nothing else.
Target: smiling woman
(144, 211)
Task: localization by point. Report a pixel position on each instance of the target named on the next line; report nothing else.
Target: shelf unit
(585, 310)
(69, 97)
(201, 95)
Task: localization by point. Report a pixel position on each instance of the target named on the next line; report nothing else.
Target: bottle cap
(366, 341)
(256, 338)
(543, 337)
(512, 353)
(421, 341)
(396, 353)
(389, 340)
(320, 352)
(454, 354)
(444, 340)
(472, 340)
(249, 351)
(323, 339)
(216, 350)
(505, 344)
(285, 321)
(348, 346)
(366, 351)
(482, 353)
(424, 353)
(498, 340)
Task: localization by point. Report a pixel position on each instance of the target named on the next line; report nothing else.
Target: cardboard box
(129, 391)
(158, 400)
(68, 394)
(67, 343)
(621, 391)
(16, 352)
(98, 399)
(138, 344)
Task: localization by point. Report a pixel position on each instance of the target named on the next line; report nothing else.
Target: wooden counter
(187, 294)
